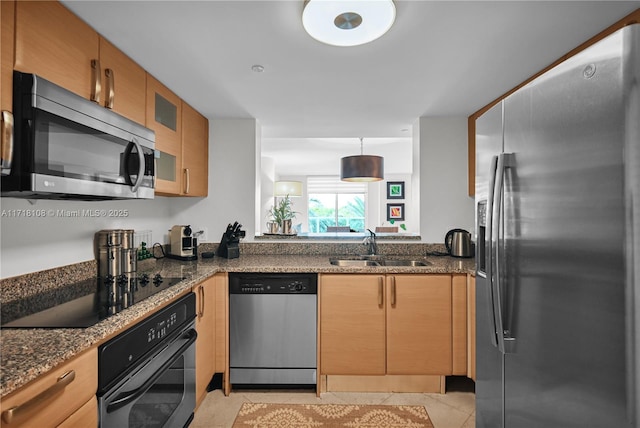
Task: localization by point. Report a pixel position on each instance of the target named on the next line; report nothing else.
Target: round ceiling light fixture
(362, 167)
(348, 22)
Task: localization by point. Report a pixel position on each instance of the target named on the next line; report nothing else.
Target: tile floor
(455, 409)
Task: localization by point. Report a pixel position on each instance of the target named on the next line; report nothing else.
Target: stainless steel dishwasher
(272, 329)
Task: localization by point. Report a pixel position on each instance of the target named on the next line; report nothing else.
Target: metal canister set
(117, 259)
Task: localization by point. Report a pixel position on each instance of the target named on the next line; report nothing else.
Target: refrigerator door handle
(489, 253)
(506, 342)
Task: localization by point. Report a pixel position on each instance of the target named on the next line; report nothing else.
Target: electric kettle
(458, 243)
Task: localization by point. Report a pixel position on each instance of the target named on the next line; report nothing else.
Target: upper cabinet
(195, 152)
(164, 116)
(182, 143)
(123, 83)
(7, 12)
(55, 44)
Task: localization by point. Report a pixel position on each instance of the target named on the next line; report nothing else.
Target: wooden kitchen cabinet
(393, 324)
(66, 389)
(471, 327)
(125, 80)
(52, 42)
(419, 324)
(352, 325)
(85, 416)
(211, 325)
(205, 344)
(164, 116)
(7, 14)
(195, 152)
(55, 44)
(459, 324)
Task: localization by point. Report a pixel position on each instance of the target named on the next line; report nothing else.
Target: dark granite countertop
(29, 353)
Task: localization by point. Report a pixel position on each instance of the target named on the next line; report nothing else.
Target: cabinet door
(471, 327)
(71, 385)
(164, 116)
(6, 50)
(85, 416)
(459, 324)
(52, 42)
(123, 83)
(205, 345)
(195, 152)
(352, 326)
(419, 324)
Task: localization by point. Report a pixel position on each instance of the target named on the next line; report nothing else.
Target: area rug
(261, 415)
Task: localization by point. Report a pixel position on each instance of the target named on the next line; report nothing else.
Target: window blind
(333, 184)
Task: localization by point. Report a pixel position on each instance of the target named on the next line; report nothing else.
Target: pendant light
(362, 167)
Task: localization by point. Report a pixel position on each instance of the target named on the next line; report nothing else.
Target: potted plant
(282, 214)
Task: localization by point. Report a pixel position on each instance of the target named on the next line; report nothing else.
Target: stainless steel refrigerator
(558, 230)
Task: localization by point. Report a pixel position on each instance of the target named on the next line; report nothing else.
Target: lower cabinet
(86, 416)
(53, 398)
(211, 327)
(385, 324)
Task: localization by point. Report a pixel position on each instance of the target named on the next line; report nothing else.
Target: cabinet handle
(61, 383)
(393, 291)
(6, 157)
(96, 90)
(187, 178)
(110, 89)
(380, 291)
(201, 292)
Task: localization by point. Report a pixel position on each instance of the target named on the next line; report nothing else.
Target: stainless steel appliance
(66, 147)
(146, 375)
(184, 246)
(458, 243)
(558, 221)
(272, 329)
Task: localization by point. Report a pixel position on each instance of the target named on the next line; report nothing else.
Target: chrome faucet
(370, 242)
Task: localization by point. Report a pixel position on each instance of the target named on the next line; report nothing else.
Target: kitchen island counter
(29, 353)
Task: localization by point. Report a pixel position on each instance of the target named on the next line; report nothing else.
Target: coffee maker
(183, 245)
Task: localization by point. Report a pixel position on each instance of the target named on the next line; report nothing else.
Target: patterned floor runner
(260, 415)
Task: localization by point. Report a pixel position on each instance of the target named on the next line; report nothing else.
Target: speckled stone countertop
(29, 353)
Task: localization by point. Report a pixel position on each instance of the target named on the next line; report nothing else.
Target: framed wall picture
(395, 189)
(395, 212)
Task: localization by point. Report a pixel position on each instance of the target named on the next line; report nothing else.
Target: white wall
(444, 201)
(232, 182)
(30, 244)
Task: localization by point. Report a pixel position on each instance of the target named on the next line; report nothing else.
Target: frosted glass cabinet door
(164, 116)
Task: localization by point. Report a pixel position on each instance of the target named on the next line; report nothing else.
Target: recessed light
(257, 68)
(349, 22)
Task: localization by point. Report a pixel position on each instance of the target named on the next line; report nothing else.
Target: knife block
(228, 249)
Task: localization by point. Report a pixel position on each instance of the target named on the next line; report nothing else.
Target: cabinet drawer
(85, 417)
(54, 396)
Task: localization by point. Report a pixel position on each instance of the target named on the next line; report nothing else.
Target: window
(335, 203)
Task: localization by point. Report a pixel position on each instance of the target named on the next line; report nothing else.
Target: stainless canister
(129, 260)
(109, 261)
(127, 238)
(106, 238)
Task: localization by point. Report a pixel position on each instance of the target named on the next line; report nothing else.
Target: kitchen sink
(400, 262)
(377, 262)
(353, 263)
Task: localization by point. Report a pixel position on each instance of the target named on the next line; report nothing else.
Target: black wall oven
(146, 375)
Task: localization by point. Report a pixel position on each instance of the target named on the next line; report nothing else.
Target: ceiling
(447, 58)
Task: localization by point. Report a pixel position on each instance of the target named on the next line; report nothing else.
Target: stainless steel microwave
(67, 147)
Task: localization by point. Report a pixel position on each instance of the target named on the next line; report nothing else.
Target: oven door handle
(127, 397)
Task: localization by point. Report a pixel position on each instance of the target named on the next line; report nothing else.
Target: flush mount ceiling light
(347, 22)
(362, 167)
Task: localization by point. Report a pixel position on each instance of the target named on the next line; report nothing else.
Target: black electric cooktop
(112, 295)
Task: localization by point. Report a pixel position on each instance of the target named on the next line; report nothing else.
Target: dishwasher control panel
(272, 283)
